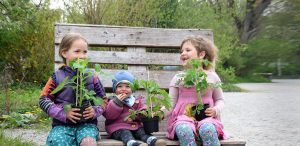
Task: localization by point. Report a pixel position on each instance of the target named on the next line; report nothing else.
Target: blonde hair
(203, 44)
(67, 42)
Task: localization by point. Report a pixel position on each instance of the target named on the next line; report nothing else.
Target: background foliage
(26, 39)
(277, 47)
(252, 35)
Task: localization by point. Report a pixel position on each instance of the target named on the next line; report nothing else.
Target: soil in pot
(150, 124)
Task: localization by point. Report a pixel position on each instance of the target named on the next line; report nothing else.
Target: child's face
(123, 88)
(188, 51)
(78, 49)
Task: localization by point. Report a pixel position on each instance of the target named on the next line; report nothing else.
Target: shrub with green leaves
(25, 119)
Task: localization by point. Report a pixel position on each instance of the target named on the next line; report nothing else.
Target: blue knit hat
(122, 77)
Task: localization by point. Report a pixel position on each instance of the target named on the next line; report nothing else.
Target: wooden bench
(268, 75)
(142, 57)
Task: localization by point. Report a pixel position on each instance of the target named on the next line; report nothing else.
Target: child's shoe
(135, 143)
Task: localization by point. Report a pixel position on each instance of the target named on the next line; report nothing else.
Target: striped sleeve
(46, 99)
(47, 104)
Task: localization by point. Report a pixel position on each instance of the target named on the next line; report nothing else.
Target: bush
(26, 40)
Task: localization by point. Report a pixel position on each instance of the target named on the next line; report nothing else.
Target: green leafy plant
(78, 83)
(25, 119)
(16, 120)
(156, 98)
(195, 76)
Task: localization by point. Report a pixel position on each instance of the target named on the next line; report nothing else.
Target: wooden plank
(105, 141)
(112, 142)
(229, 142)
(102, 35)
(163, 78)
(132, 51)
(139, 58)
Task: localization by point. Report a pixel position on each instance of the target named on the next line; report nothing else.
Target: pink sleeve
(218, 96)
(173, 93)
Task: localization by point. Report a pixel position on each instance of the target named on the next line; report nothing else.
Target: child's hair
(203, 44)
(67, 41)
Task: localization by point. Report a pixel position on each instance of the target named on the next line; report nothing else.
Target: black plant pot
(200, 116)
(150, 124)
(82, 109)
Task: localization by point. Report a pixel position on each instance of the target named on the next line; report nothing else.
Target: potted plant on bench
(195, 76)
(78, 83)
(156, 98)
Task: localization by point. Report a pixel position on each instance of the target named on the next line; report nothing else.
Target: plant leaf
(60, 86)
(97, 101)
(67, 108)
(97, 68)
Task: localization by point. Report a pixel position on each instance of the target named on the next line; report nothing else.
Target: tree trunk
(249, 26)
(252, 20)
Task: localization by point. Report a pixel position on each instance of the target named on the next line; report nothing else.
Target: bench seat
(105, 141)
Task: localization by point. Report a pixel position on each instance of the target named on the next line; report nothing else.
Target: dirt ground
(268, 114)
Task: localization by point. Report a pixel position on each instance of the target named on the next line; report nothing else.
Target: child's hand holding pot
(73, 115)
(89, 113)
(211, 112)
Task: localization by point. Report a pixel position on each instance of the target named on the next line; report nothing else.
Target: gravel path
(268, 114)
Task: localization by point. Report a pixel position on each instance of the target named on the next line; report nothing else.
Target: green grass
(22, 98)
(5, 141)
(253, 79)
(227, 87)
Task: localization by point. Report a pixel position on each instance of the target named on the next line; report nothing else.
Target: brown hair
(67, 42)
(203, 44)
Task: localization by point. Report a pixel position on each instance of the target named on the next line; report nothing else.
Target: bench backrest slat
(133, 58)
(129, 36)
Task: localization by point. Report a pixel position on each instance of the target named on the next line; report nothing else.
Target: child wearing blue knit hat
(118, 109)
